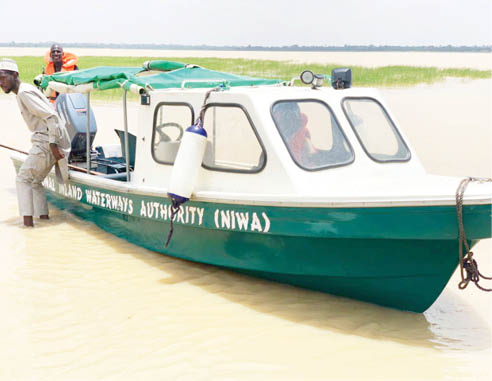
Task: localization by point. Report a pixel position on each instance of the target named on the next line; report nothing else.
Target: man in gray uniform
(49, 139)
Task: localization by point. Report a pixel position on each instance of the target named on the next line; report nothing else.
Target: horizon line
(294, 47)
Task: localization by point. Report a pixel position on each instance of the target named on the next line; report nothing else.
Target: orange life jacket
(69, 61)
(300, 145)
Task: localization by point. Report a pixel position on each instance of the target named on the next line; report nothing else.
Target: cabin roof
(151, 75)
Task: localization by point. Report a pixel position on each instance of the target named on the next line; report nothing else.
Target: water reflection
(444, 325)
(455, 324)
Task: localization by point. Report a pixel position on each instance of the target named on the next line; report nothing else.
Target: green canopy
(174, 75)
(165, 65)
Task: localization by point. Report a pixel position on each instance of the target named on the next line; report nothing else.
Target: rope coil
(468, 266)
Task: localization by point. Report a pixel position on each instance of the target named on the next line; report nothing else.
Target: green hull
(401, 257)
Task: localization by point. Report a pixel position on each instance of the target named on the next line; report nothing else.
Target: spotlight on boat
(341, 78)
(309, 78)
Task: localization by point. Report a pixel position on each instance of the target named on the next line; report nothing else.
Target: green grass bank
(388, 76)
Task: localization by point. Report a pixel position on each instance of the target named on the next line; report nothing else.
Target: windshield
(375, 130)
(312, 134)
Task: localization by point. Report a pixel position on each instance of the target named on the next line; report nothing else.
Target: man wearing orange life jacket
(58, 60)
(292, 123)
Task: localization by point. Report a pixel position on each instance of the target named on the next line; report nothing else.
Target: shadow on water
(446, 325)
(436, 328)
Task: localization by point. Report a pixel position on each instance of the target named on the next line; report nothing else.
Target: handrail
(70, 166)
(291, 82)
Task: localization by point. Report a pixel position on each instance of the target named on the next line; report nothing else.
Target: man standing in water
(49, 138)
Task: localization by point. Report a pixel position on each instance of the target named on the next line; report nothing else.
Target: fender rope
(204, 105)
(468, 266)
(174, 211)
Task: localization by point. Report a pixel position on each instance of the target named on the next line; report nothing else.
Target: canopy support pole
(88, 135)
(127, 152)
(215, 135)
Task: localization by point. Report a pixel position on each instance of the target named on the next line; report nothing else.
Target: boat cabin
(264, 140)
(276, 138)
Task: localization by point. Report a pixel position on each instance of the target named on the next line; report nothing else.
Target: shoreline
(441, 60)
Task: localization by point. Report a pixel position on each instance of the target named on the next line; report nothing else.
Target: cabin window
(375, 130)
(311, 134)
(232, 142)
(170, 122)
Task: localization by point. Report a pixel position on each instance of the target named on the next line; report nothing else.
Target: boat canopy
(140, 79)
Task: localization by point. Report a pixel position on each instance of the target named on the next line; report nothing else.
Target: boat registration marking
(109, 201)
(186, 214)
(226, 219)
(231, 219)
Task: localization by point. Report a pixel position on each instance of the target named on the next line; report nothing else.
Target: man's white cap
(8, 64)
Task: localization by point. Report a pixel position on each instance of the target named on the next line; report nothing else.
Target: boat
(314, 186)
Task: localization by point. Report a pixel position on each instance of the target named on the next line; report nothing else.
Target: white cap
(8, 64)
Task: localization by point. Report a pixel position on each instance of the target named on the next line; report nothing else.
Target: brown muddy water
(80, 304)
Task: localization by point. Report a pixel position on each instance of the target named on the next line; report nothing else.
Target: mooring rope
(468, 266)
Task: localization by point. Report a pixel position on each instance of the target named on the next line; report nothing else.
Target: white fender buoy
(187, 164)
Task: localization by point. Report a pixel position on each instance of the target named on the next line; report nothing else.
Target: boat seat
(209, 160)
(108, 151)
(132, 145)
(208, 157)
(166, 151)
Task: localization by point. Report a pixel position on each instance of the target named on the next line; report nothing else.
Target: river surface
(78, 303)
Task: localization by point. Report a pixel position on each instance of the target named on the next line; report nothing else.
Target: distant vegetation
(344, 48)
(386, 76)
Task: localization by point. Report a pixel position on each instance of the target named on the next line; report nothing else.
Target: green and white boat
(311, 186)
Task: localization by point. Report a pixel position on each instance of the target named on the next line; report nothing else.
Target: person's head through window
(292, 125)
(288, 118)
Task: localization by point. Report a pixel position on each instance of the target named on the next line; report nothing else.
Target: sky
(252, 22)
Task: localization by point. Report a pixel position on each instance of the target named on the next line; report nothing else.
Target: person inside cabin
(57, 60)
(292, 123)
(49, 140)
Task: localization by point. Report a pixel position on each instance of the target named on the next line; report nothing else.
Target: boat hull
(403, 274)
(400, 257)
